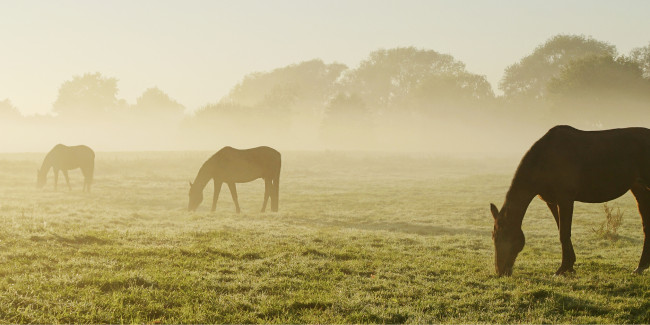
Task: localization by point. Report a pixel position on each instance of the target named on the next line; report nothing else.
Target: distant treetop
(528, 77)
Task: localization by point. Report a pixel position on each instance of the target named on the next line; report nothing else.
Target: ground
(360, 238)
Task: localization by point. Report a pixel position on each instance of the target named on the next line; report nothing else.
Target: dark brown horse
(63, 158)
(231, 166)
(568, 165)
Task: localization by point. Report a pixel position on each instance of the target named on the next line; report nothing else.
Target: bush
(613, 219)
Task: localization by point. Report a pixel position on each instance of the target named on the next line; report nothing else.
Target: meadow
(360, 237)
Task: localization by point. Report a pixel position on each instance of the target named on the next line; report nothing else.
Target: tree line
(397, 97)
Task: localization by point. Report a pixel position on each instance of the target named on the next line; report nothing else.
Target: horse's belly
(601, 193)
(244, 178)
(244, 174)
(602, 183)
(69, 163)
(69, 166)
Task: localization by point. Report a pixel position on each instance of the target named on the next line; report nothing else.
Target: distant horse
(568, 165)
(63, 158)
(232, 166)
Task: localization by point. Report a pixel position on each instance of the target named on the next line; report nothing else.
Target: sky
(196, 51)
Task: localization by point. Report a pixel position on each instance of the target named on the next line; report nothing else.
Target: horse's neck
(517, 201)
(203, 177)
(48, 163)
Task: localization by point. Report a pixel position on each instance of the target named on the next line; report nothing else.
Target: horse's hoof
(639, 271)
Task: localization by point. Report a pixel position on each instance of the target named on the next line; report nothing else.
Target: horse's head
(508, 239)
(40, 178)
(196, 197)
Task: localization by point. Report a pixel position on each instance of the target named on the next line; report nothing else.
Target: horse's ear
(495, 211)
(190, 183)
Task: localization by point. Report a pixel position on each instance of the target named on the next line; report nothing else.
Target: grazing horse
(568, 165)
(230, 166)
(63, 158)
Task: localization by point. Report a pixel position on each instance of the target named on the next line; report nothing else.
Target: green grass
(360, 238)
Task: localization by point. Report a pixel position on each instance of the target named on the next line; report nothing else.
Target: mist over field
(396, 99)
(384, 131)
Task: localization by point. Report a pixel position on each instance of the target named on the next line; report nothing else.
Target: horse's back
(265, 154)
(82, 153)
(261, 154)
(243, 165)
(592, 166)
(70, 157)
(586, 146)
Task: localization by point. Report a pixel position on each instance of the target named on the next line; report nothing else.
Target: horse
(231, 166)
(567, 165)
(64, 158)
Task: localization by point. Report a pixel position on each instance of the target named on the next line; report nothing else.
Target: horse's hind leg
(267, 192)
(88, 177)
(85, 180)
(233, 192)
(642, 195)
(91, 175)
(275, 194)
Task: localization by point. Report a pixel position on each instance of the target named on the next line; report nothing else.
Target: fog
(395, 99)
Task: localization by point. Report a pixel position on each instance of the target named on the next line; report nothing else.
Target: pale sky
(196, 51)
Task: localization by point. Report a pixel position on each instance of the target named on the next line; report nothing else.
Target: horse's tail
(275, 192)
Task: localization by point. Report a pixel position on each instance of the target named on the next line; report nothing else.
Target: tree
(528, 77)
(601, 88)
(233, 124)
(393, 79)
(641, 55)
(286, 100)
(347, 121)
(85, 96)
(447, 93)
(600, 76)
(156, 104)
(8, 111)
(306, 84)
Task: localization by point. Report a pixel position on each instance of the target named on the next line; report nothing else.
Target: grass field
(360, 238)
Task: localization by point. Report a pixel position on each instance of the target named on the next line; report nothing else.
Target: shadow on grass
(408, 228)
(640, 314)
(75, 240)
(122, 284)
(565, 304)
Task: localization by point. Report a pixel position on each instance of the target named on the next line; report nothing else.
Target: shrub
(613, 219)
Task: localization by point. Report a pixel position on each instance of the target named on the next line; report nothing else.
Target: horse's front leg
(568, 255)
(67, 180)
(553, 207)
(233, 192)
(56, 178)
(217, 189)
